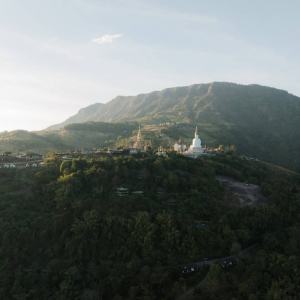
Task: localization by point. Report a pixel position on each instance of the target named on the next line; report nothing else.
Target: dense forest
(66, 234)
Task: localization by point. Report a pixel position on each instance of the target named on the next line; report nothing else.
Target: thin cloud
(106, 39)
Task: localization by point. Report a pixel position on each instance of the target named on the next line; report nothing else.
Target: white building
(161, 152)
(179, 146)
(195, 149)
(133, 151)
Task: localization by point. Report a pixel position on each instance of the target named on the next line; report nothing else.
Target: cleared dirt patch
(242, 193)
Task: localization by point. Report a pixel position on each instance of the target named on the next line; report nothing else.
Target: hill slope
(216, 102)
(260, 121)
(85, 114)
(75, 136)
(66, 234)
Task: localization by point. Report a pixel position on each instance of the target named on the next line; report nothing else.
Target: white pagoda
(195, 149)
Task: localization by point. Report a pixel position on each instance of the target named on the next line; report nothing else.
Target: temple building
(123, 192)
(139, 143)
(179, 146)
(195, 149)
(161, 152)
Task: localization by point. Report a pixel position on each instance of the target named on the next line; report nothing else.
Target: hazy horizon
(57, 58)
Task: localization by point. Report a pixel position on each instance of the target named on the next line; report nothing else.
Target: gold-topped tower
(139, 143)
(139, 136)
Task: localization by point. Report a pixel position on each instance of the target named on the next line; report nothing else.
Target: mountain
(83, 115)
(76, 136)
(216, 102)
(261, 121)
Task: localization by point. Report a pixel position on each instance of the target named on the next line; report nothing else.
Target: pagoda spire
(139, 137)
(196, 131)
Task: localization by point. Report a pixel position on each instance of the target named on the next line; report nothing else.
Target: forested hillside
(215, 103)
(260, 121)
(66, 234)
(73, 136)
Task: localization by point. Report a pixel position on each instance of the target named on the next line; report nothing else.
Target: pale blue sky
(59, 56)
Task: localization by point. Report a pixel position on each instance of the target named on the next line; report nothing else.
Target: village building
(195, 149)
(140, 193)
(133, 151)
(32, 155)
(163, 153)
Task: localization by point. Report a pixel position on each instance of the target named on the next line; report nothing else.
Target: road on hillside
(191, 290)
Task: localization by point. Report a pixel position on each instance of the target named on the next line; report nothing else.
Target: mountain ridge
(261, 121)
(125, 108)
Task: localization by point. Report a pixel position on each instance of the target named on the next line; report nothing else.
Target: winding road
(191, 290)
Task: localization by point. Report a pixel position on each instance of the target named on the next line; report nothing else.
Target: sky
(57, 57)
